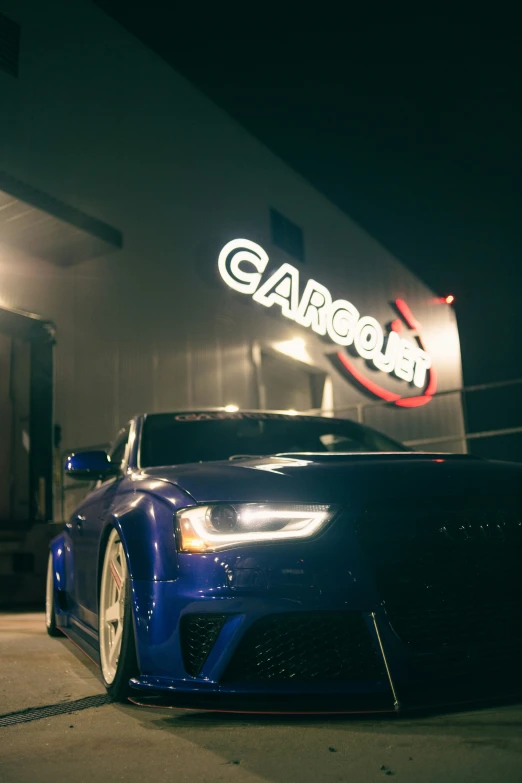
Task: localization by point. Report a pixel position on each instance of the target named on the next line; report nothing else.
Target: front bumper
(440, 613)
(317, 621)
(400, 678)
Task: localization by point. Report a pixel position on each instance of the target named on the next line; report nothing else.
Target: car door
(87, 526)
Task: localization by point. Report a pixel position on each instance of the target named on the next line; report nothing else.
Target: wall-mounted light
(295, 348)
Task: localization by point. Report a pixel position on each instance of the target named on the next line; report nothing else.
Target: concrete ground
(111, 742)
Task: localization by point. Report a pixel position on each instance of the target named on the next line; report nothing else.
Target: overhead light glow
(295, 348)
(292, 412)
(231, 408)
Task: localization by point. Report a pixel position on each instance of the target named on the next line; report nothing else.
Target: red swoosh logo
(379, 391)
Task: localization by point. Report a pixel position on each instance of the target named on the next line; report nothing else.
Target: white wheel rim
(49, 589)
(112, 597)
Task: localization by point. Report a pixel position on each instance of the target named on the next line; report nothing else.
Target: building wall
(98, 121)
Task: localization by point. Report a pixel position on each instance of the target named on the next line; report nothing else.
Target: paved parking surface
(93, 741)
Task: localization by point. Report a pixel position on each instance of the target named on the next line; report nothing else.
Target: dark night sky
(412, 125)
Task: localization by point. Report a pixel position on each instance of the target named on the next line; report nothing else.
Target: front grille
(451, 583)
(306, 647)
(198, 634)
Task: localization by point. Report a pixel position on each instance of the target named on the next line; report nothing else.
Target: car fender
(146, 526)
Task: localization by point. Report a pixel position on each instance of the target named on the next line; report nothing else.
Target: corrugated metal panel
(440, 417)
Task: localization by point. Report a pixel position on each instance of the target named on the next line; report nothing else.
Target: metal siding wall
(172, 386)
(153, 327)
(441, 417)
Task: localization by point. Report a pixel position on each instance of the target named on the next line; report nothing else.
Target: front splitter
(261, 704)
(314, 704)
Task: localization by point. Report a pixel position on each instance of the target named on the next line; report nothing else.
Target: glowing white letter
(230, 258)
(314, 306)
(422, 365)
(340, 321)
(386, 362)
(406, 361)
(281, 288)
(368, 337)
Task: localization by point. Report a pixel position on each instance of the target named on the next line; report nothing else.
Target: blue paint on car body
(343, 571)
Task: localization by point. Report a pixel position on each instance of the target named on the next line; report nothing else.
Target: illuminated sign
(242, 265)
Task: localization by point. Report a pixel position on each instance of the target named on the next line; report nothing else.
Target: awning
(45, 227)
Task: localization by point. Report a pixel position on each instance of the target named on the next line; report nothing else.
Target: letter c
(233, 255)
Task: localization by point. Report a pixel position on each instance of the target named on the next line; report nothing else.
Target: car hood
(396, 480)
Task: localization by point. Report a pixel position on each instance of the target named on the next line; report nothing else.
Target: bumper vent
(198, 634)
(306, 647)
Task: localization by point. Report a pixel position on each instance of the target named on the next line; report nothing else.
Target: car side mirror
(90, 466)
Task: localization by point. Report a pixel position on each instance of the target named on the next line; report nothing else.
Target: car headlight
(221, 525)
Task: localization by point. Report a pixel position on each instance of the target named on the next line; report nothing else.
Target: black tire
(50, 601)
(127, 665)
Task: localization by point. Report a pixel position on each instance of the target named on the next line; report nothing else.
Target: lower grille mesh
(306, 647)
(198, 634)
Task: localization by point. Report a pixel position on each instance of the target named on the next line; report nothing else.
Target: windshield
(173, 439)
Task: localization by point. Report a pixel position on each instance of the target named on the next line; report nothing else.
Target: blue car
(258, 561)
